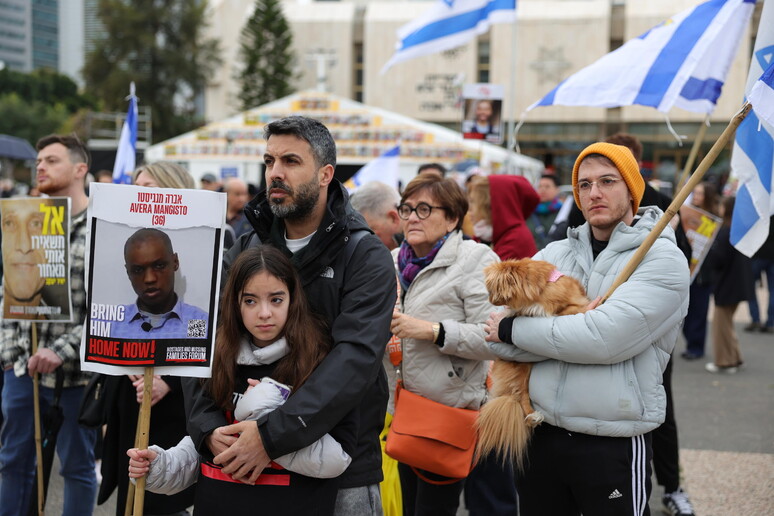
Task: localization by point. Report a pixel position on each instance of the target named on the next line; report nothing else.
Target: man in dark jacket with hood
(349, 278)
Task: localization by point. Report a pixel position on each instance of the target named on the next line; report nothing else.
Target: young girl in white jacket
(266, 329)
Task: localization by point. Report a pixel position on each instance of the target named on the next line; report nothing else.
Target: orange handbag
(432, 436)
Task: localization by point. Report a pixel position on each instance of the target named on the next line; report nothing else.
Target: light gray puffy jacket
(600, 373)
(451, 291)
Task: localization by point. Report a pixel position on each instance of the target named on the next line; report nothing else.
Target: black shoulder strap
(354, 238)
(252, 241)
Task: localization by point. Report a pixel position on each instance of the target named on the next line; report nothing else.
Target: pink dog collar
(555, 275)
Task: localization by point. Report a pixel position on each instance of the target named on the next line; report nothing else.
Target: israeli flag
(448, 24)
(762, 94)
(127, 143)
(681, 62)
(753, 156)
(383, 169)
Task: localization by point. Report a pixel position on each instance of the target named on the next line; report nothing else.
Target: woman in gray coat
(444, 306)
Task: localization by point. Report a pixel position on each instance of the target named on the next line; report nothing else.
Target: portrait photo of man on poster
(35, 254)
(155, 269)
(482, 120)
(151, 263)
(152, 276)
(482, 112)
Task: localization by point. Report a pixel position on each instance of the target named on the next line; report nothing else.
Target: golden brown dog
(530, 288)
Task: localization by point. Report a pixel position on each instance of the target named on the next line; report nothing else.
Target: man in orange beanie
(597, 376)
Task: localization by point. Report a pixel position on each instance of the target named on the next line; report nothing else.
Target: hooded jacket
(355, 291)
(600, 372)
(513, 200)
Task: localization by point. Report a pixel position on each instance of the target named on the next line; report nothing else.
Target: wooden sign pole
(38, 438)
(143, 428)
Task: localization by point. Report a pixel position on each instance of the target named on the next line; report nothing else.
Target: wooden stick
(694, 152)
(679, 199)
(38, 437)
(129, 505)
(143, 427)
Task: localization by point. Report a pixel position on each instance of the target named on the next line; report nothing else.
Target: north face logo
(327, 273)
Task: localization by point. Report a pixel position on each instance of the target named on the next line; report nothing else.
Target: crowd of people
(315, 285)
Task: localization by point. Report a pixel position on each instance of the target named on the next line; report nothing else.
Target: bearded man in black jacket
(349, 278)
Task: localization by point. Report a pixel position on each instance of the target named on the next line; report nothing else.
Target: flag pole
(512, 105)
(36, 407)
(694, 152)
(679, 199)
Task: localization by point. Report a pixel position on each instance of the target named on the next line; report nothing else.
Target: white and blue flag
(448, 24)
(127, 143)
(384, 169)
(762, 94)
(681, 62)
(752, 161)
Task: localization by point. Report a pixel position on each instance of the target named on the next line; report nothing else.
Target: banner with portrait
(701, 228)
(153, 265)
(36, 259)
(482, 110)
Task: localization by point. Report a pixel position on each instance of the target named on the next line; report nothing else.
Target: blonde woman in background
(163, 174)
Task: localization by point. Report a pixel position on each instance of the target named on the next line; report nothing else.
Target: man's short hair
(75, 147)
(552, 177)
(104, 173)
(627, 140)
(375, 198)
(432, 166)
(141, 235)
(311, 131)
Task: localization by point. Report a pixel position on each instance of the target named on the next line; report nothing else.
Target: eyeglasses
(423, 210)
(604, 184)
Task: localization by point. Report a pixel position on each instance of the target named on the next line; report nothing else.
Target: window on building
(484, 59)
(357, 87)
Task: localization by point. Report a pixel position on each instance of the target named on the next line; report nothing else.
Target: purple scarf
(409, 265)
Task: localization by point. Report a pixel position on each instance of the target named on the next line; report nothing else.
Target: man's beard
(305, 197)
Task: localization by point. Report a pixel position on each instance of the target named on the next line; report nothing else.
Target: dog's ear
(499, 281)
(516, 283)
(506, 283)
(535, 274)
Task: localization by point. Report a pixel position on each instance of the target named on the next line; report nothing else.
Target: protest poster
(700, 228)
(36, 259)
(482, 109)
(153, 273)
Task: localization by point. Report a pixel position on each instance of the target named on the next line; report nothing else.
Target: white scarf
(252, 355)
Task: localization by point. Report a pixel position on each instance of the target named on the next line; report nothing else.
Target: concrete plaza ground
(726, 431)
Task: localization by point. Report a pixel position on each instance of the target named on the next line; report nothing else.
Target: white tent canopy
(235, 146)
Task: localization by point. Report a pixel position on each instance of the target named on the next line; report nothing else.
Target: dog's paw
(534, 419)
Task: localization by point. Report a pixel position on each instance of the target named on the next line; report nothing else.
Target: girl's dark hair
(306, 334)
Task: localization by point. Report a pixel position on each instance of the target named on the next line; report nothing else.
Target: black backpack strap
(354, 238)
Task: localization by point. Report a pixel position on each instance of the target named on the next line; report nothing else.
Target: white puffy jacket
(177, 468)
(600, 373)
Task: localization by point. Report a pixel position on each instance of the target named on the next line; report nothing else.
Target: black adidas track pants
(568, 474)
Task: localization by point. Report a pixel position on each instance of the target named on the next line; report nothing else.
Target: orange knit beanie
(624, 162)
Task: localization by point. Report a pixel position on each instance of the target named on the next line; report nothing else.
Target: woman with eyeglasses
(443, 307)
